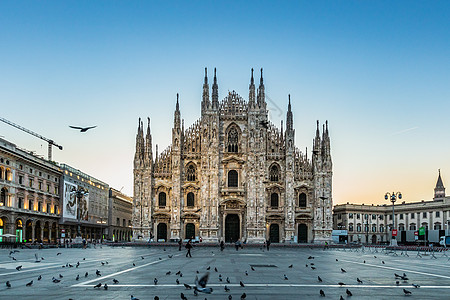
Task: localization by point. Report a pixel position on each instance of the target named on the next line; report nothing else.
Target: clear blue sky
(379, 71)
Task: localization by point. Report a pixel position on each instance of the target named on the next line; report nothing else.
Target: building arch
(190, 231)
(161, 232)
(274, 233)
(191, 172)
(274, 172)
(8, 174)
(2, 172)
(232, 138)
(4, 197)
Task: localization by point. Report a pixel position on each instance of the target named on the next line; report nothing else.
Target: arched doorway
(37, 231)
(190, 231)
(29, 231)
(374, 239)
(274, 233)
(2, 226)
(302, 233)
(19, 230)
(161, 233)
(46, 232)
(232, 228)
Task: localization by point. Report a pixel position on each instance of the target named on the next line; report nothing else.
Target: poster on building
(70, 201)
(84, 204)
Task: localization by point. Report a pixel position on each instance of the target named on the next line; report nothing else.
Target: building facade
(85, 203)
(233, 175)
(120, 213)
(373, 223)
(29, 196)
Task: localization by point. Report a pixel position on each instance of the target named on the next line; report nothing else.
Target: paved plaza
(265, 282)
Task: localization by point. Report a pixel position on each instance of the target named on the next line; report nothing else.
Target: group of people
(237, 245)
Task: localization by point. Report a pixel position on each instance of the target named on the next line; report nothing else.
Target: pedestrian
(268, 244)
(84, 243)
(222, 245)
(188, 247)
(237, 244)
(180, 243)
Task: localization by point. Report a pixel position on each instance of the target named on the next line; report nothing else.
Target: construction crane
(50, 142)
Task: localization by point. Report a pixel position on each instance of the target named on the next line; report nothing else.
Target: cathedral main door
(302, 233)
(232, 228)
(274, 233)
(161, 232)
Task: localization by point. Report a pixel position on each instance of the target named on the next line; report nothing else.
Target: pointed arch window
(232, 178)
(302, 200)
(190, 173)
(162, 199)
(274, 200)
(233, 140)
(274, 173)
(190, 200)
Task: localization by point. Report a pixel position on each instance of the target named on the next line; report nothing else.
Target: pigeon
(200, 285)
(8, 284)
(407, 292)
(343, 271)
(253, 269)
(312, 264)
(228, 280)
(98, 285)
(105, 286)
(306, 265)
(404, 275)
(220, 279)
(55, 280)
(364, 261)
(142, 257)
(215, 269)
(348, 292)
(18, 268)
(40, 277)
(341, 298)
(415, 285)
(177, 281)
(181, 274)
(134, 298)
(241, 283)
(208, 268)
(383, 262)
(115, 281)
(374, 256)
(70, 266)
(341, 283)
(290, 266)
(78, 277)
(246, 273)
(59, 253)
(183, 297)
(322, 293)
(230, 297)
(243, 296)
(60, 276)
(195, 292)
(82, 129)
(13, 258)
(318, 278)
(134, 265)
(178, 273)
(359, 280)
(337, 259)
(396, 275)
(397, 282)
(103, 263)
(227, 289)
(187, 286)
(86, 274)
(404, 278)
(285, 277)
(29, 283)
(155, 281)
(84, 258)
(156, 298)
(170, 256)
(313, 268)
(168, 273)
(77, 265)
(159, 258)
(311, 257)
(97, 272)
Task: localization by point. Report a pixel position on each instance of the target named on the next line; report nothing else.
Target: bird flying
(200, 285)
(82, 129)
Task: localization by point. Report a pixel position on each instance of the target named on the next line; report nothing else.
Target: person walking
(222, 245)
(188, 247)
(237, 244)
(180, 243)
(268, 244)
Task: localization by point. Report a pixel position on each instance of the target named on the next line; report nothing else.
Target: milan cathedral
(233, 175)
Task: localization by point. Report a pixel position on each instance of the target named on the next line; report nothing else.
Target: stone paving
(265, 282)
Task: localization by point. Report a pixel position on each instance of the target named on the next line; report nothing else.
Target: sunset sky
(378, 71)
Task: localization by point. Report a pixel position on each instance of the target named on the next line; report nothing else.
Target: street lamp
(79, 193)
(393, 197)
(323, 210)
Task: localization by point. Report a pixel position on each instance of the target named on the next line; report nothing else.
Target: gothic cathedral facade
(233, 175)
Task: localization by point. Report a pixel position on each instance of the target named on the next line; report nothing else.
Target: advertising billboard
(70, 201)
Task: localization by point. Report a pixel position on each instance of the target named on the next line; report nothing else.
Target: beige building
(29, 195)
(372, 223)
(233, 175)
(120, 213)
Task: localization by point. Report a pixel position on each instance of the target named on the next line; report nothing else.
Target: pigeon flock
(200, 285)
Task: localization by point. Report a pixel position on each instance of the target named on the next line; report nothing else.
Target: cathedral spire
(316, 146)
(251, 93)
(439, 190)
(289, 118)
(261, 93)
(177, 115)
(205, 98)
(148, 157)
(215, 92)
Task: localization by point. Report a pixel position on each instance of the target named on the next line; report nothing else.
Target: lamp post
(79, 193)
(393, 197)
(323, 210)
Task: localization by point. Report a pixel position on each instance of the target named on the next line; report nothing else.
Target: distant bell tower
(439, 190)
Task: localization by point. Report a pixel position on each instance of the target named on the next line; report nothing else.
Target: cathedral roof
(233, 104)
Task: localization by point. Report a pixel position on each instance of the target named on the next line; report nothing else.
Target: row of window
(366, 216)
(366, 228)
(401, 216)
(123, 222)
(401, 227)
(5, 174)
(30, 206)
